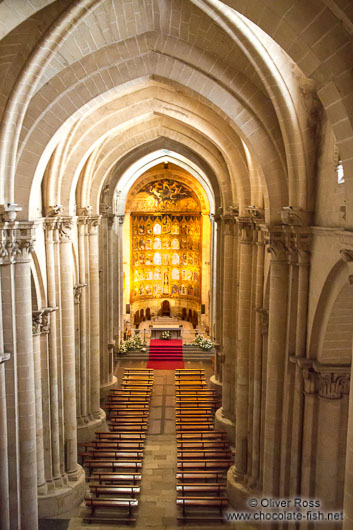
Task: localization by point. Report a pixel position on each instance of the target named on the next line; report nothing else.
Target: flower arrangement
(166, 335)
(203, 342)
(135, 343)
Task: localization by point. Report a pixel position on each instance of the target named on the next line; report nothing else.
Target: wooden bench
(113, 464)
(202, 436)
(205, 464)
(94, 503)
(199, 487)
(109, 454)
(127, 421)
(194, 427)
(127, 435)
(123, 427)
(202, 444)
(114, 490)
(215, 475)
(204, 502)
(126, 392)
(115, 478)
(137, 384)
(194, 411)
(205, 453)
(121, 412)
(112, 445)
(189, 370)
(194, 419)
(201, 392)
(128, 405)
(139, 370)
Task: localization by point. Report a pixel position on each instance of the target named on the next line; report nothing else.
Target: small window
(340, 172)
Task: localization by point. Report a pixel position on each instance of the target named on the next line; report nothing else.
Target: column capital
(326, 380)
(276, 241)
(65, 225)
(256, 214)
(16, 241)
(37, 322)
(121, 219)
(93, 222)
(246, 228)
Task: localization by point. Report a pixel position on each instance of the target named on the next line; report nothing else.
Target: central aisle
(157, 507)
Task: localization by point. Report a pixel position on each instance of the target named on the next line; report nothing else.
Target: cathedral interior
(188, 162)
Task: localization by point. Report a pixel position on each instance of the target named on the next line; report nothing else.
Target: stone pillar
(51, 242)
(94, 315)
(80, 396)
(278, 300)
(37, 329)
(226, 415)
(16, 245)
(45, 400)
(257, 376)
(108, 380)
(68, 347)
(4, 475)
(241, 374)
(120, 276)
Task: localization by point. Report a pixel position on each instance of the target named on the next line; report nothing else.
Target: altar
(174, 329)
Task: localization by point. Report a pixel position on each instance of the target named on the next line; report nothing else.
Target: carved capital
(121, 219)
(228, 225)
(93, 223)
(16, 241)
(275, 240)
(78, 291)
(246, 227)
(46, 318)
(327, 381)
(65, 229)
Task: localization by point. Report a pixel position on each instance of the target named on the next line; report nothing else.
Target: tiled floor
(157, 507)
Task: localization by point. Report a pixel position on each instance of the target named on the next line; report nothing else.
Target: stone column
(108, 380)
(120, 275)
(226, 415)
(37, 329)
(45, 399)
(4, 475)
(333, 385)
(16, 245)
(68, 346)
(257, 376)
(278, 300)
(241, 374)
(93, 223)
(78, 359)
(51, 241)
(347, 257)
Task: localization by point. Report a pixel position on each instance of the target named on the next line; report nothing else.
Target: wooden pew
(204, 454)
(125, 435)
(115, 478)
(202, 444)
(206, 464)
(182, 427)
(114, 490)
(202, 436)
(204, 502)
(123, 427)
(139, 445)
(214, 475)
(112, 454)
(199, 487)
(114, 504)
(113, 465)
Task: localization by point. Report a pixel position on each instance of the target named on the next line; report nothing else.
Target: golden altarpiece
(166, 244)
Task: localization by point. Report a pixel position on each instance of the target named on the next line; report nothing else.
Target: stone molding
(326, 380)
(295, 216)
(288, 243)
(93, 222)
